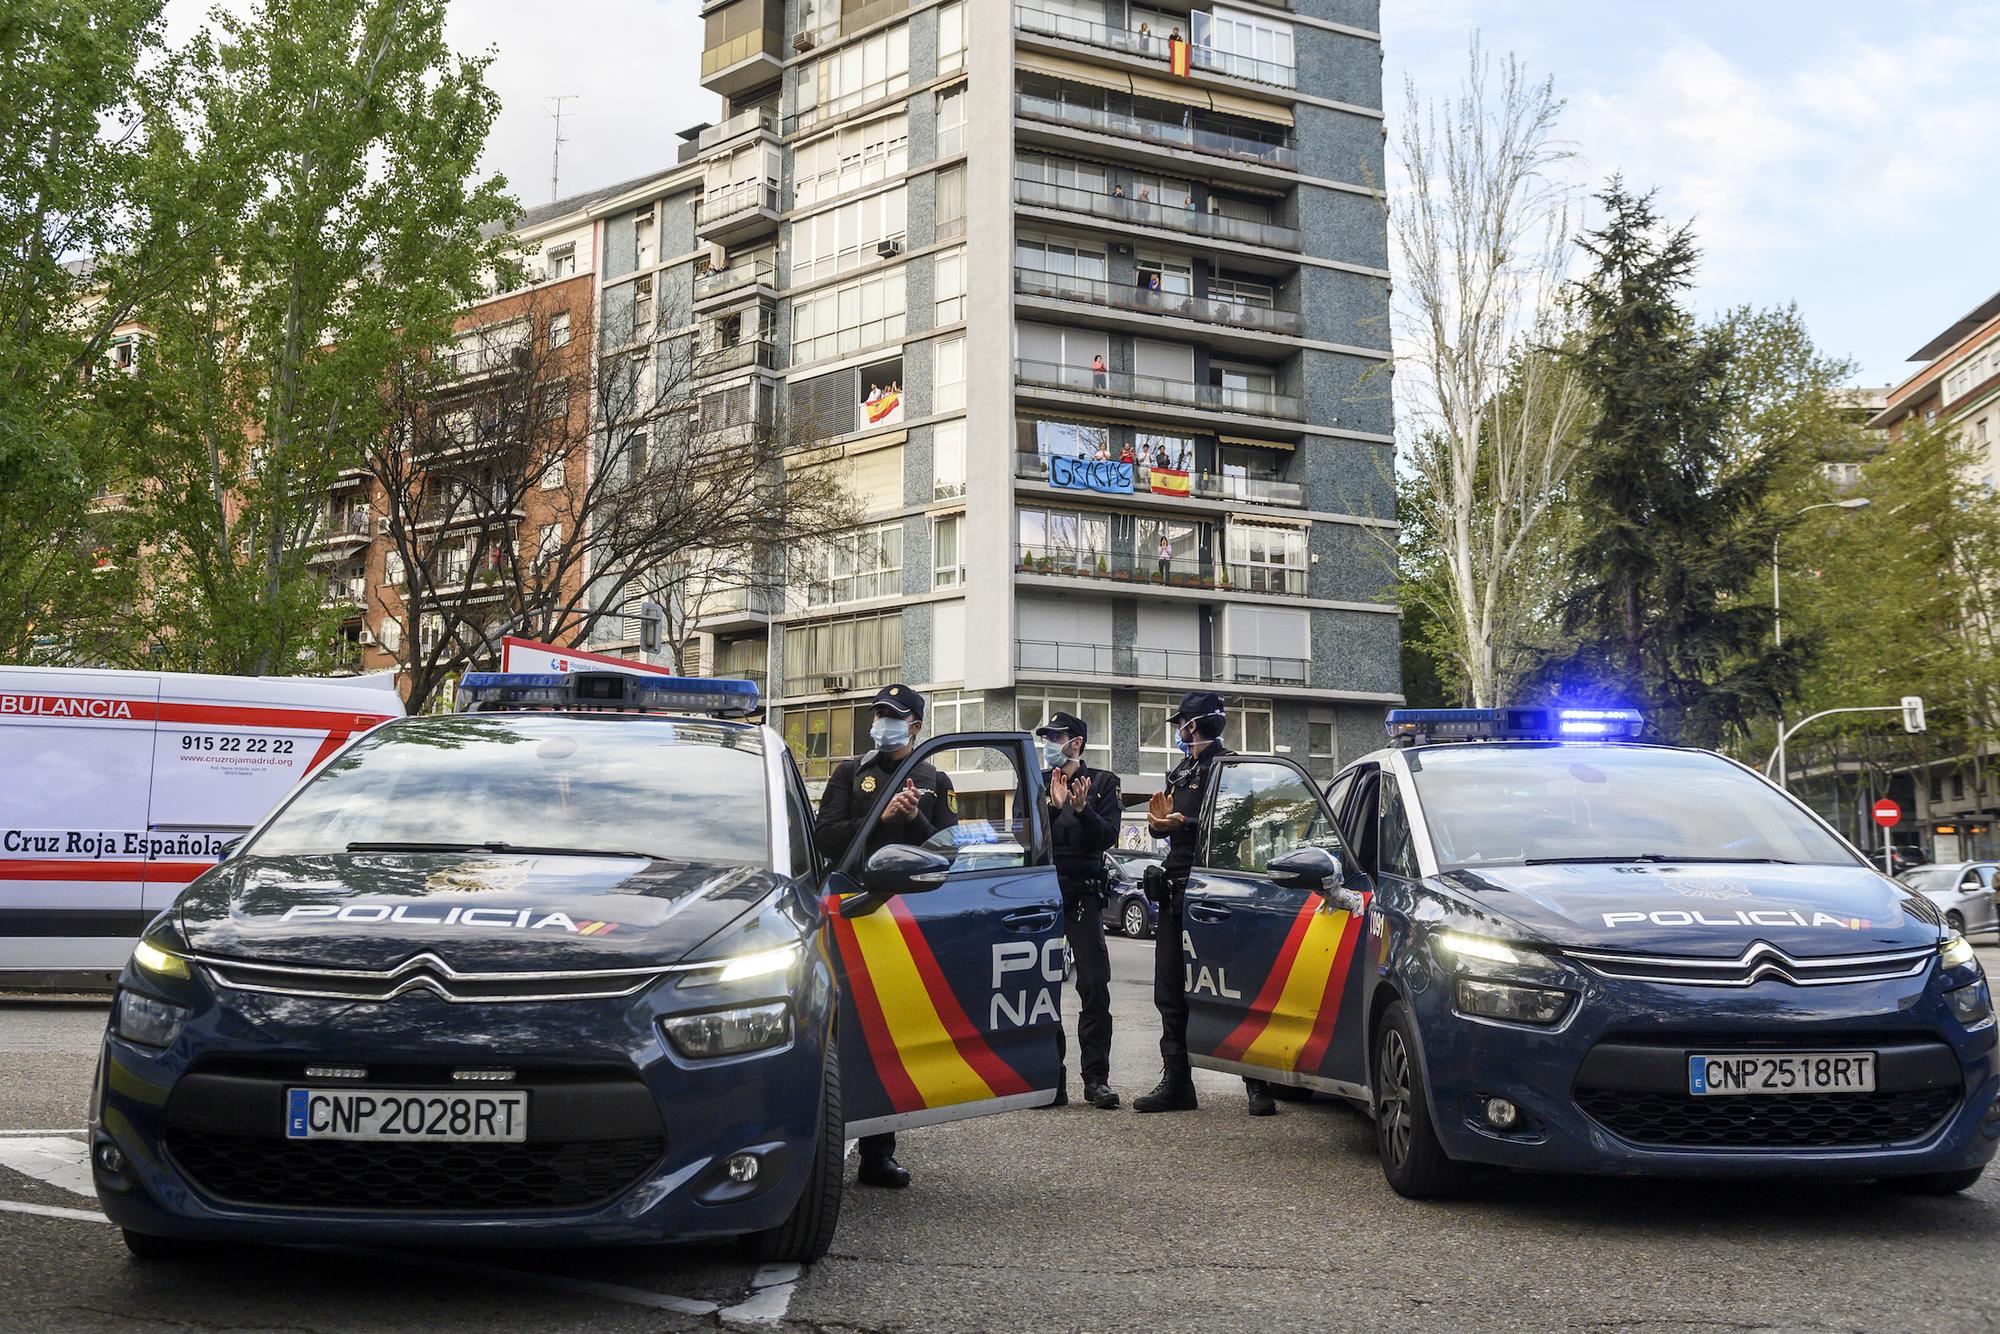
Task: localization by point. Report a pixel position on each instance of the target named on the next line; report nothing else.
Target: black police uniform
(1078, 841)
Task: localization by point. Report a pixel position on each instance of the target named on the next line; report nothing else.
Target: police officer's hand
(904, 804)
(1059, 790)
(1079, 792)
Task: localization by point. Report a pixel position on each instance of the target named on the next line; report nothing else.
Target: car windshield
(689, 791)
(1931, 877)
(1494, 805)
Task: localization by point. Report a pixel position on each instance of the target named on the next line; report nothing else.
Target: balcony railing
(1171, 664)
(1156, 389)
(758, 352)
(743, 122)
(344, 593)
(1157, 301)
(1180, 482)
(1177, 134)
(343, 526)
(1170, 572)
(1152, 213)
(735, 201)
(719, 282)
(754, 601)
(1150, 46)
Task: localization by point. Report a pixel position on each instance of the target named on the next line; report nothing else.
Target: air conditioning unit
(366, 636)
(830, 684)
(804, 41)
(889, 245)
(381, 525)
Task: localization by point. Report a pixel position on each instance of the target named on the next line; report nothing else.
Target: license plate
(1768, 1072)
(406, 1114)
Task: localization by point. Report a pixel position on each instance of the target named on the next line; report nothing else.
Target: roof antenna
(555, 160)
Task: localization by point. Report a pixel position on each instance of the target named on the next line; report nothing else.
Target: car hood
(1706, 911)
(478, 912)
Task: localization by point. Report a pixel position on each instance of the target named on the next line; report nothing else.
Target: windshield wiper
(416, 847)
(1649, 857)
(523, 848)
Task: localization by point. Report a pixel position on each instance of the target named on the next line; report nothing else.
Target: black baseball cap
(900, 700)
(1196, 704)
(1067, 723)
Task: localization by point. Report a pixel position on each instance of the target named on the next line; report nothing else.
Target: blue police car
(565, 967)
(1523, 939)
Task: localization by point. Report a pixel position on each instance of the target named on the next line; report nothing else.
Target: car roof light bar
(624, 692)
(1422, 727)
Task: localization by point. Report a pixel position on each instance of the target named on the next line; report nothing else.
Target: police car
(1522, 939)
(565, 967)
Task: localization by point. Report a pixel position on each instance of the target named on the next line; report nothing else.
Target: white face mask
(890, 733)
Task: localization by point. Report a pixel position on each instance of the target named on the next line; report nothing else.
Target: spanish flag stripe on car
(1292, 1021)
(1261, 1009)
(1000, 1079)
(896, 1082)
(1314, 1051)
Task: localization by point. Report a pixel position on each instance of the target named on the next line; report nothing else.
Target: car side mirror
(1307, 868)
(902, 869)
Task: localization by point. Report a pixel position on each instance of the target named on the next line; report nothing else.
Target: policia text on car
(925, 805)
(1084, 813)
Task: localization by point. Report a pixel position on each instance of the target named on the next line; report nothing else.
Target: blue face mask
(890, 733)
(1052, 753)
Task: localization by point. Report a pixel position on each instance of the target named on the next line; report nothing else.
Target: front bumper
(627, 1139)
(1605, 1091)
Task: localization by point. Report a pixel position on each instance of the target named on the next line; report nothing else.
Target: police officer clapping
(1084, 812)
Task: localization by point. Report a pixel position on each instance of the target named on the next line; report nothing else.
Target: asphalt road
(1058, 1220)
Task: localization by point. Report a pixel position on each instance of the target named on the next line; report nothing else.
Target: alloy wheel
(1392, 1109)
(1135, 920)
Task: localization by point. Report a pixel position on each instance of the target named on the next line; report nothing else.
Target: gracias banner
(1106, 475)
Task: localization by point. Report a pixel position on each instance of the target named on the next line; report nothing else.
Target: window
(559, 329)
(1158, 449)
(1059, 538)
(849, 158)
(1060, 258)
(1033, 705)
(854, 76)
(854, 315)
(1069, 439)
(552, 475)
(955, 711)
(1157, 752)
(948, 460)
(430, 632)
(951, 37)
(490, 346)
(562, 262)
(822, 735)
(1322, 748)
(1250, 727)
(1263, 811)
(951, 121)
(856, 653)
(1267, 559)
(392, 567)
(642, 309)
(949, 281)
(948, 376)
(846, 237)
(391, 634)
(947, 564)
(950, 203)
(863, 563)
(549, 544)
(1169, 275)
(1243, 45)
(642, 235)
(1398, 843)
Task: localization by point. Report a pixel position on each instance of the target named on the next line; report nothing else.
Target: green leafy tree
(312, 167)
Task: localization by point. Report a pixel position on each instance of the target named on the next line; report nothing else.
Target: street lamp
(1777, 610)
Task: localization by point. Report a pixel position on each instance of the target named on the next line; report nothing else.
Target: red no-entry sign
(1887, 812)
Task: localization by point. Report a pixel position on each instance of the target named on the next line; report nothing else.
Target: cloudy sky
(1836, 153)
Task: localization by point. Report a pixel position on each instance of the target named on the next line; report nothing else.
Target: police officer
(1084, 811)
(925, 805)
(1175, 815)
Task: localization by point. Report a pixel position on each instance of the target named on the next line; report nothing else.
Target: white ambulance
(118, 788)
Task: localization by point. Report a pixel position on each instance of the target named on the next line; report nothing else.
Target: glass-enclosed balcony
(1162, 124)
(1118, 208)
(737, 277)
(1202, 54)
(1158, 301)
(1157, 389)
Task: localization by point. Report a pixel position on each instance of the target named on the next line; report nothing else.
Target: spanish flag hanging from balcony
(1169, 481)
(1177, 55)
(884, 407)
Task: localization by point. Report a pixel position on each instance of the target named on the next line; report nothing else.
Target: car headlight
(1506, 1000)
(153, 959)
(1956, 951)
(1461, 946)
(1972, 1003)
(150, 1022)
(729, 1032)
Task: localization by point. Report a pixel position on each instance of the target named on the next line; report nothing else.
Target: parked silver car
(1963, 892)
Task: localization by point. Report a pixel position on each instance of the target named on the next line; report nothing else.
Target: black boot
(1099, 1096)
(1174, 1093)
(1261, 1101)
(882, 1171)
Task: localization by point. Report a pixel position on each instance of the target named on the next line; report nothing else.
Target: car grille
(1759, 961)
(426, 972)
(337, 1174)
(1798, 1121)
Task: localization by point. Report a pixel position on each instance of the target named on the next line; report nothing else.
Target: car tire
(152, 1250)
(1413, 1160)
(1955, 920)
(1937, 1183)
(808, 1232)
(1132, 919)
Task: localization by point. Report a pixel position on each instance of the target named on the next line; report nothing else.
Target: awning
(1171, 90)
(1238, 105)
(1075, 71)
(1285, 445)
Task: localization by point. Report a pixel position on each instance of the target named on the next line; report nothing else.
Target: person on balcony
(1125, 454)
(1099, 372)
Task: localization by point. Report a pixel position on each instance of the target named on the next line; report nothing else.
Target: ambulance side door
(951, 996)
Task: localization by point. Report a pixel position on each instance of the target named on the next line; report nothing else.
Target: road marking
(23, 1134)
(51, 1211)
(57, 1159)
(772, 1296)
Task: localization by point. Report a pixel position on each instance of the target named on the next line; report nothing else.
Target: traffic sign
(1887, 812)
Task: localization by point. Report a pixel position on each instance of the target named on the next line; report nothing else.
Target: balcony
(1041, 656)
(345, 593)
(1155, 389)
(1150, 213)
(1173, 135)
(760, 353)
(723, 610)
(743, 122)
(1180, 483)
(1124, 567)
(852, 679)
(468, 510)
(1151, 46)
(737, 212)
(342, 531)
(455, 585)
(1157, 301)
(750, 274)
(742, 62)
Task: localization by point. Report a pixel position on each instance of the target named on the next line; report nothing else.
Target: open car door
(951, 991)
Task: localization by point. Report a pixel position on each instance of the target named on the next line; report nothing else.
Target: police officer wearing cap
(1175, 815)
(1084, 811)
(925, 805)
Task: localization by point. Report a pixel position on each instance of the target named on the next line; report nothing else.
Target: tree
(1676, 529)
(521, 494)
(1481, 233)
(312, 169)
(67, 283)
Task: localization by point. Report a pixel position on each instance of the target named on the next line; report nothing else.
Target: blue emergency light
(627, 692)
(1416, 727)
